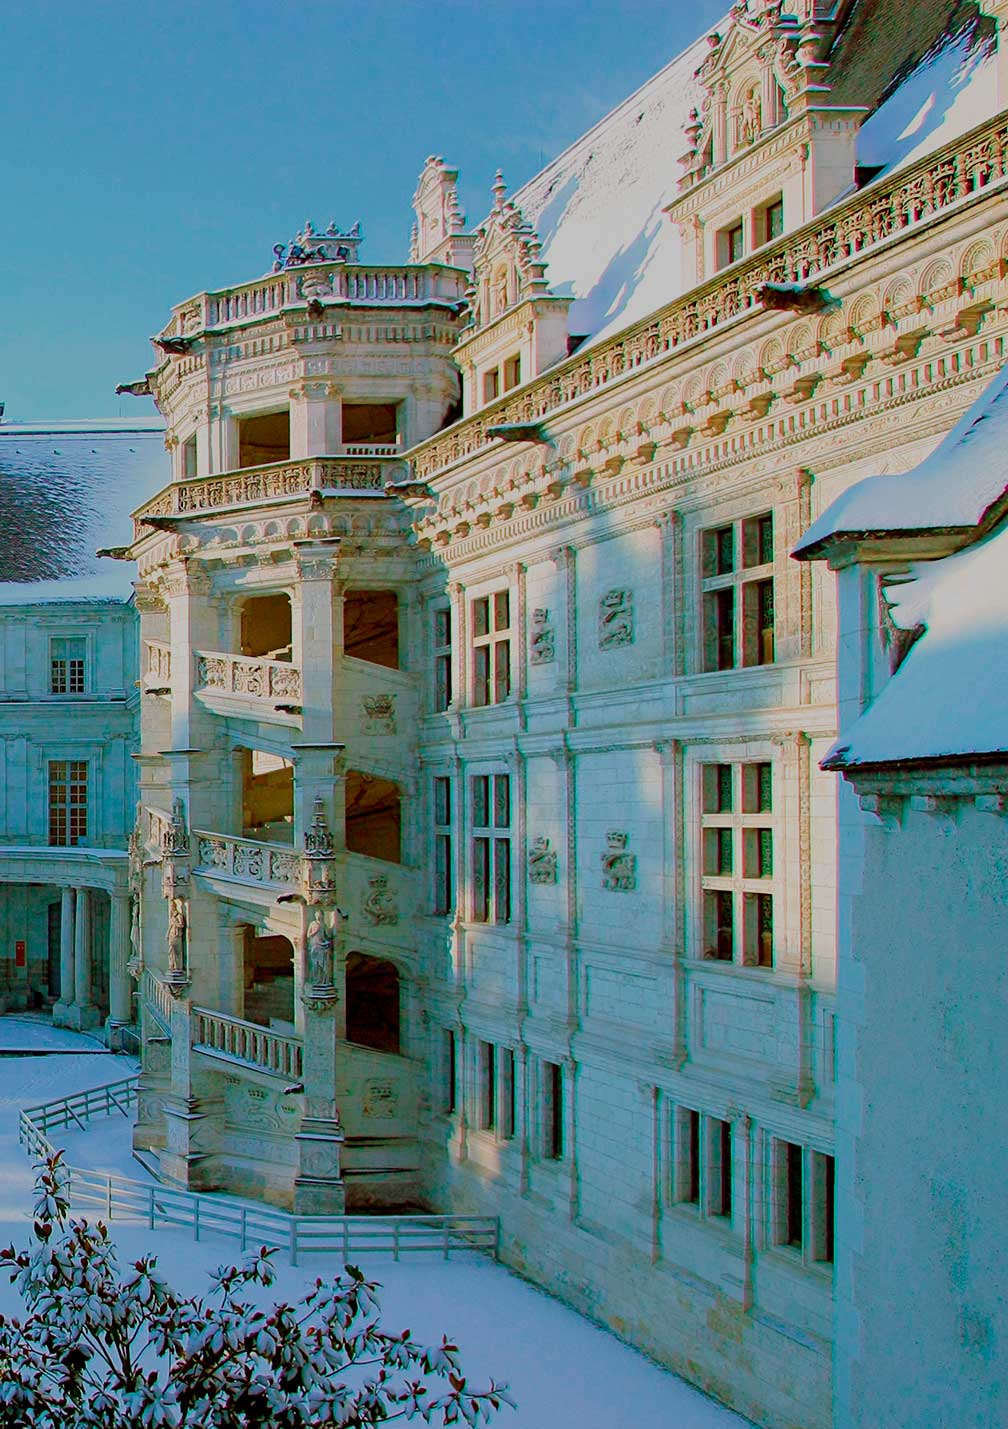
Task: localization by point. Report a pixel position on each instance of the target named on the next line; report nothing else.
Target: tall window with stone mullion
(491, 648)
(444, 892)
(737, 863)
(68, 801)
(738, 593)
(490, 803)
(66, 666)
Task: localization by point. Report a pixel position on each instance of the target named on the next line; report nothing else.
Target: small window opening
(371, 626)
(264, 438)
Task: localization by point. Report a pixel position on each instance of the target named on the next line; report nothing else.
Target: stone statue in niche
(542, 862)
(615, 619)
(619, 868)
(381, 906)
(543, 641)
(319, 950)
(176, 940)
(750, 121)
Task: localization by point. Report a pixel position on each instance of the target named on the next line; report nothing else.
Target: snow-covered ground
(564, 1372)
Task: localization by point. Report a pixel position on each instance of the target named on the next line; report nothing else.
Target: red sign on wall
(19, 953)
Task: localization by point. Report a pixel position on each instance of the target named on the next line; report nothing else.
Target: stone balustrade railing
(156, 662)
(275, 680)
(333, 282)
(247, 1042)
(155, 995)
(248, 860)
(249, 486)
(975, 162)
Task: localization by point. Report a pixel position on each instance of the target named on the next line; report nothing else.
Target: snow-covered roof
(949, 698)
(948, 93)
(598, 206)
(955, 487)
(64, 493)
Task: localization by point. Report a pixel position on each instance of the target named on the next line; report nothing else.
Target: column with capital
(83, 1014)
(318, 1183)
(120, 986)
(61, 1011)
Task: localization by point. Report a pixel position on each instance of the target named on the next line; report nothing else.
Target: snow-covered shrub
(104, 1348)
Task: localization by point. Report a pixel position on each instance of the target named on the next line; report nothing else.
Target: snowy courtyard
(562, 1370)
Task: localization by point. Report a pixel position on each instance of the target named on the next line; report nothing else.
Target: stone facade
(67, 731)
(487, 859)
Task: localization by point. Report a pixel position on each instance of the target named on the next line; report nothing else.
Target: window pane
(725, 629)
(502, 800)
(502, 880)
(481, 675)
(442, 682)
(502, 670)
(480, 801)
(693, 1157)
(442, 811)
(442, 874)
(793, 1193)
(719, 925)
(724, 775)
(507, 1093)
(502, 608)
(481, 616)
(766, 552)
(725, 558)
(765, 652)
(481, 880)
(442, 627)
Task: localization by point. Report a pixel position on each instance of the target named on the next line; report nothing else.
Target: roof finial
(499, 189)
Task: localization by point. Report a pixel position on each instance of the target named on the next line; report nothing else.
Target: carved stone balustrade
(156, 665)
(247, 861)
(156, 998)
(325, 282)
(248, 677)
(252, 485)
(232, 1039)
(967, 167)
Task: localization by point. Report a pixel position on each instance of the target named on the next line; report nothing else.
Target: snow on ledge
(962, 479)
(949, 698)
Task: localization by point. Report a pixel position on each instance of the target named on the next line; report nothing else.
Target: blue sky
(153, 150)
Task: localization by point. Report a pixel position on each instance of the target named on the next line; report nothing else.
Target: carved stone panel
(616, 624)
(542, 862)
(542, 641)
(380, 906)
(379, 714)
(619, 868)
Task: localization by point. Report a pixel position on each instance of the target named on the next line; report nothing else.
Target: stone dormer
(439, 230)
(517, 326)
(769, 146)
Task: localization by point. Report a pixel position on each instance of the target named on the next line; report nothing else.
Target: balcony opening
(269, 981)
(264, 438)
(370, 424)
(267, 797)
(266, 627)
(371, 626)
(372, 1002)
(373, 816)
